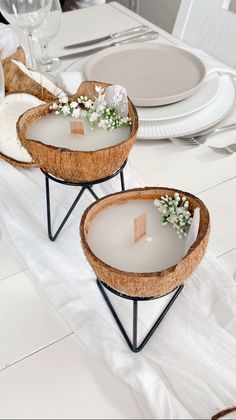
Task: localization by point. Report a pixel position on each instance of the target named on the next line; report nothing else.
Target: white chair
(206, 25)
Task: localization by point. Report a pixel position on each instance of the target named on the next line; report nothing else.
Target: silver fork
(196, 140)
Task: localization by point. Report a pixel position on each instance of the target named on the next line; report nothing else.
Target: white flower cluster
(97, 113)
(175, 210)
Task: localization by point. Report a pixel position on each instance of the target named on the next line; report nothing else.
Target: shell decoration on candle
(149, 283)
(116, 96)
(77, 165)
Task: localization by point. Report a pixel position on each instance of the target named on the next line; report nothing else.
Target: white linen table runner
(188, 368)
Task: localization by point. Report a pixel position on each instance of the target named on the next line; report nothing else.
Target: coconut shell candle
(154, 265)
(92, 156)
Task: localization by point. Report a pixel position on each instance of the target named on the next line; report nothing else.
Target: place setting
(198, 96)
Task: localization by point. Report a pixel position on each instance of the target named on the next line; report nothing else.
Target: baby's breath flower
(156, 203)
(63, 98)
(99, 89)
(76, 113)
(74, 104)
(88, 103)
(175, 210)
(65, 110)
(54, 106)
(93, 117)
(97, 113)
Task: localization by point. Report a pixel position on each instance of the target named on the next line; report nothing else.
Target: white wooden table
(46, 372)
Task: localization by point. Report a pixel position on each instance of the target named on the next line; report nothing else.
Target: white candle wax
(111, 238)
(55, 130)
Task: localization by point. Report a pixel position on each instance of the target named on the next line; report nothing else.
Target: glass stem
(31, 49)
(44, 52)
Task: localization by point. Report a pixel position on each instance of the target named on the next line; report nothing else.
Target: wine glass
(27, 15)
(45, 33)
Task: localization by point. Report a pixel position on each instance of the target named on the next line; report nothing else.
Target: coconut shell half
(18, 79)
(11, 150)
(8, 66)
(75, 165)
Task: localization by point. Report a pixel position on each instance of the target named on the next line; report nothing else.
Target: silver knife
(148, 36)
(137, 29)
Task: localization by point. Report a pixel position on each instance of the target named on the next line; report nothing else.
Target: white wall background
(161, 12)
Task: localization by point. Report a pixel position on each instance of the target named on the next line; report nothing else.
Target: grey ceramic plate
(153, 73)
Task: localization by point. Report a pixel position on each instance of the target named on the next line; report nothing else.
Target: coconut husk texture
(16, 81)
(7, 64)
(17, 163)
(70, 165)
(154, 284)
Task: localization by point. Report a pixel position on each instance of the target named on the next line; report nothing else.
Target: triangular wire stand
(133, 344)
(84, 186)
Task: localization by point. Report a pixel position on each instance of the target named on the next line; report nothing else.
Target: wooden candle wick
(223, 413)
(77, 128)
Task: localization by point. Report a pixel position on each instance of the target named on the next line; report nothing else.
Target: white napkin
(9, 42)
(70, 81)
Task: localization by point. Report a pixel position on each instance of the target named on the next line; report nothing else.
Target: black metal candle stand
(133, 345)
(84, 186)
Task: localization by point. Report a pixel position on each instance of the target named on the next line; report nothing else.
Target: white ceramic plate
(153, 73)
(200, 120)
(204, 95)
(180, 124)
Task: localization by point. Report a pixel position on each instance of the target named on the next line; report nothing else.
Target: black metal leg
(133, 346)
(160, 318)
(50, 235)
(122, 181)
(135, 324)
(92, 192)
